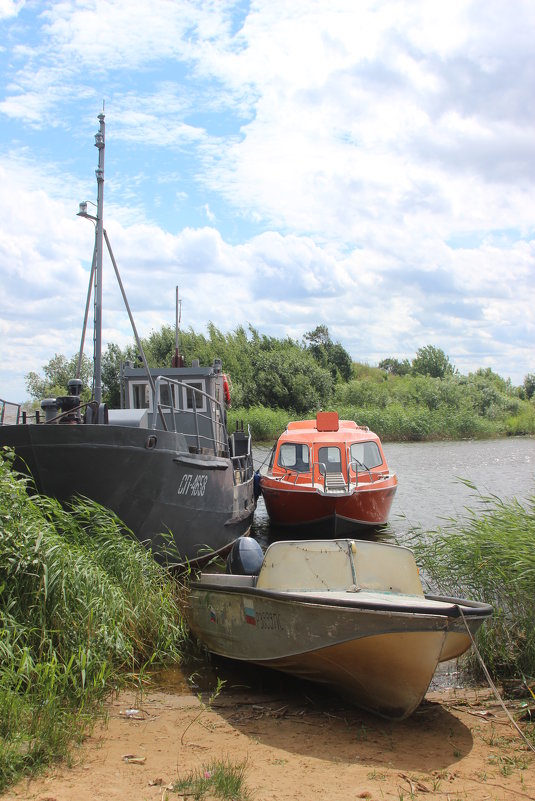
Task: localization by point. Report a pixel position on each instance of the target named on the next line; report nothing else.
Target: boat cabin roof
(327, 427)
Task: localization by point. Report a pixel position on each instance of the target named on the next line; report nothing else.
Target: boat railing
(9, 412)
(208, 431)
(51, 413)
(338, 481)
(322, 470)
(242, 463)
(358, 467)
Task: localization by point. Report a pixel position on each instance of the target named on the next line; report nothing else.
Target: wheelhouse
(328, 445)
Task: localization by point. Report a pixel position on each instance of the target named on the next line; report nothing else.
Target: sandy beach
(297, 743)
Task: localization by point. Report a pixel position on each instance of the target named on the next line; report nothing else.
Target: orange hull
(294, 505)
(328, 471)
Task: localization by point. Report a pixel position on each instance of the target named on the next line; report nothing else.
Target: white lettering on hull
(192, 485)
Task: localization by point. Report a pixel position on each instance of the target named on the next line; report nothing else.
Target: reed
(266, 424)
(522, 423)
(392, 421)
(82, 606)
(490, 557)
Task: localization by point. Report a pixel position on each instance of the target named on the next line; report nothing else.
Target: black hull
(148, 478)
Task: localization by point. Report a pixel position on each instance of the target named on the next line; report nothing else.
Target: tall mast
(99, 229)
(177, 360)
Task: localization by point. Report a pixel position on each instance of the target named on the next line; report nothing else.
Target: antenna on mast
(178, 360)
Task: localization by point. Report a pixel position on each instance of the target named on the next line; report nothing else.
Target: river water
(431, 481)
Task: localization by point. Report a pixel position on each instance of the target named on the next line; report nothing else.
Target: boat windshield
(294, 456)
(367, 454)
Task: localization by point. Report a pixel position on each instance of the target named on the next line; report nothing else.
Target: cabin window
(294, 456)
(329, 455)
(367, 454)
(167, 395)
(139, 395)
(191, 391)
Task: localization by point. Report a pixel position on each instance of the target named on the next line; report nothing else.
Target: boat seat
(335, 482)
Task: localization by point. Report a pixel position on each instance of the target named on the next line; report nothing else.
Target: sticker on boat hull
(250, 615)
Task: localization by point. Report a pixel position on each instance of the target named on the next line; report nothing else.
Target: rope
(492, 685)
(268, 454)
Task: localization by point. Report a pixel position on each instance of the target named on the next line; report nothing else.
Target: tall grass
(491, 557)
(81, 605)
(393, 422)
(266, 424)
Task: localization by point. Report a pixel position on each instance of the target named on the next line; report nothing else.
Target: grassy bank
(491, 557)
(82, 608)
(396, 422)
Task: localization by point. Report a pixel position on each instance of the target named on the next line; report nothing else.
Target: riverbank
(296, 745)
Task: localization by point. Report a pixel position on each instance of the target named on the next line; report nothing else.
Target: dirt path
(297, 747)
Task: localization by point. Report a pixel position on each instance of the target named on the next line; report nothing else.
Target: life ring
(226, 389)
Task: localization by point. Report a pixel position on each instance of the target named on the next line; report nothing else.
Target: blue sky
(364, 165)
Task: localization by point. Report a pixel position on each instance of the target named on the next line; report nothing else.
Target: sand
(297, 742)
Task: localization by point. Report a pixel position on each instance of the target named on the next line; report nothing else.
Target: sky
(367, 165)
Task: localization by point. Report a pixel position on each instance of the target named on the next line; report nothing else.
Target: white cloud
(364, 165)
(10, 8)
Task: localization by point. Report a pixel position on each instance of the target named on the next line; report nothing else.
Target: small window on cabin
(140, 395)
(329, 455)
(366, 454)
(294, 456)
(191, 393)
(167, 395)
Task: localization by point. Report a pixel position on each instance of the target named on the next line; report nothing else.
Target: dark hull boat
(164, 463)
(197, 488)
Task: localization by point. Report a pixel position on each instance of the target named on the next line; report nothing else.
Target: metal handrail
(212, 405)
(366, 470)
(3, 404)
(322, 472)
(243, 465)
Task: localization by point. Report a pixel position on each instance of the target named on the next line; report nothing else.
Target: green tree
(57, 373)
(289, 378)
(111, 373)
(328, 353)
(432, 361)
(159, 347)
(529, 385)
(395, 367)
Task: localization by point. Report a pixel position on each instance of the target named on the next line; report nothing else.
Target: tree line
(280, 379)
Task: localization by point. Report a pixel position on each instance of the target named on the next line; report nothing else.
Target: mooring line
(492, 685)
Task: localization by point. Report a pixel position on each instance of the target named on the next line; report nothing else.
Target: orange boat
(328, 471)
